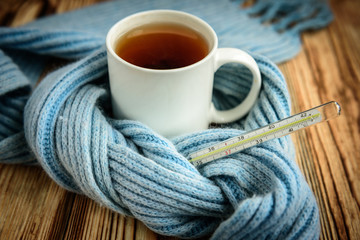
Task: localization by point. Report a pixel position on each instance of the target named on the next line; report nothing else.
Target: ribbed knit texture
(65, 124)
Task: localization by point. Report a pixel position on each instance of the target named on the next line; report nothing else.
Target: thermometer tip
(338, 107)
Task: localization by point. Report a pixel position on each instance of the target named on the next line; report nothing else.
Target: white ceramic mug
(174, 101)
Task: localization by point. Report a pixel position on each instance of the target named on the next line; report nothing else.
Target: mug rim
(209, 29)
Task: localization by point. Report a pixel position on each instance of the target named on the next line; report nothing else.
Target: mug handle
(233, 55)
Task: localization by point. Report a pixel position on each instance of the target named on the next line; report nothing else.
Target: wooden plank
(87, 219)
(317, 75)
(28, 210)
(27, 12)
(348, 60)
(343, 164)
(67, 5)
(144, 233)
(7, 11)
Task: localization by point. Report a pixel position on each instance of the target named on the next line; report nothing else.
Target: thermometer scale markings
(268, 132)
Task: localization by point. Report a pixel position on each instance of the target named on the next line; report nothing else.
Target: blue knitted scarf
(64, 123)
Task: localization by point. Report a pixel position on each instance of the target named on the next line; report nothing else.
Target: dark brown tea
(162, 46)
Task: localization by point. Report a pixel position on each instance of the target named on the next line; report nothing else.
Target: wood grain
(32, 206)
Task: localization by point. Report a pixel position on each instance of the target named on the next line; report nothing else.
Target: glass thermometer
(278, 129)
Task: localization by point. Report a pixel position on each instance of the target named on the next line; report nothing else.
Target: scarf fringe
(291, 16)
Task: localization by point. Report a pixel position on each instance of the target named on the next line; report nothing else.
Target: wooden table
(32, 206)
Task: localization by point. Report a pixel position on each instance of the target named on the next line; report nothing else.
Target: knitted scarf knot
(64, 124)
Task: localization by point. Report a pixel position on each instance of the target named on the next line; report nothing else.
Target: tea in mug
(162, 46)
